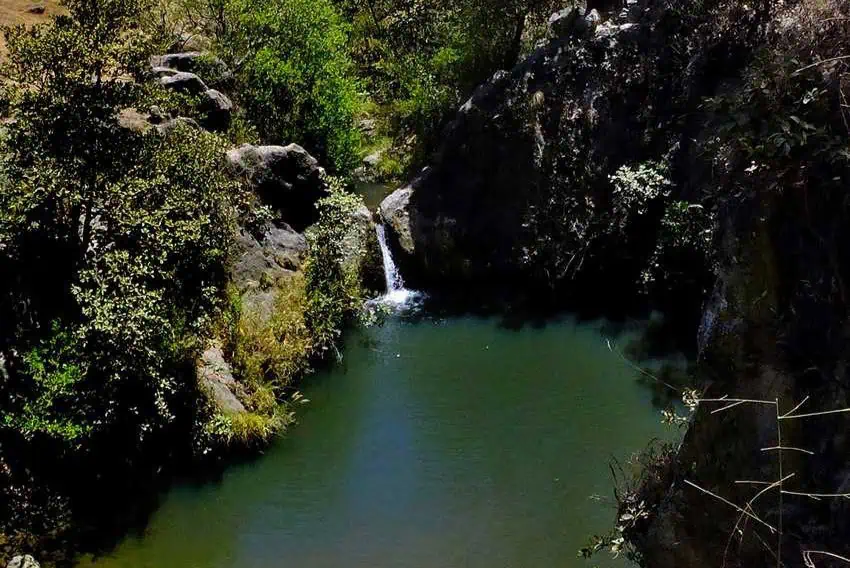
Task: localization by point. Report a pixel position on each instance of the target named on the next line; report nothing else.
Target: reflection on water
(372, 193)
(436, 444)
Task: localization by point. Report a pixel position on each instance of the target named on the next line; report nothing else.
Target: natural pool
(439, 443)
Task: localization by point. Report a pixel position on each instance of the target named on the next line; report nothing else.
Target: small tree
(65, 83)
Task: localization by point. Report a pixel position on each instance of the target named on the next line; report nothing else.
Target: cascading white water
(391, 274)
(397, 295)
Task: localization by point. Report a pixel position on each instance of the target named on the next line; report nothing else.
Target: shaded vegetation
(115, 248)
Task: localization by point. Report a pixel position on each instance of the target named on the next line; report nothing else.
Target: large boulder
(190, 61)
(287, 178)
(261, 262)
(535, 145)
(23, 561)
(141, 122)
(395, 212)
(217, 109)
(164, 71)
(361, 249)
(184, 83)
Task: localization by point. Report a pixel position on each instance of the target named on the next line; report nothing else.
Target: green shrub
(143, 297)
(296, 80)
(50, 406)
(334, 288)
(636, 189)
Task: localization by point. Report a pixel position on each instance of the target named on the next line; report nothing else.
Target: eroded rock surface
(184, 83)
(287, 178)
(23, 561)
(216, 380)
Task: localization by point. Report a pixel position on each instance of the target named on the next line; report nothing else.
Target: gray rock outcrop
(287, 178)
(395, 213)
(217, 108)
(263, 264)
(216, 380)
(172, 124)
(164, 71)
(472, 215)
(360, 246)
(190, 61)
(23, 561)
(184, 83)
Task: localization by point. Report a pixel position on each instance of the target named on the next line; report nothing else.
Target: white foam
(397, 296)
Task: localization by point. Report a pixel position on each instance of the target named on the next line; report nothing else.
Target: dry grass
(274, 351)
(14, 12)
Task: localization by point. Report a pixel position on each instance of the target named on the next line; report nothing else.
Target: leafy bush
(636, 189)
(295, 78)
(334, 287)
(143, 295)
(114, 248)
(684, 250)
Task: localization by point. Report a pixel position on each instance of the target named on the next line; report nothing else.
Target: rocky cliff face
(743, 102)
(519, 195)
(775, 329)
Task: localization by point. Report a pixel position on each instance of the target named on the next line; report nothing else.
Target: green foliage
(295, 77)
(114, 247)
(144, 292)
(684, 249)
(50, 406)
(248, 429)
(334, 290)
(638, 483)
(118, 241)
(420, 59)
(635, 189)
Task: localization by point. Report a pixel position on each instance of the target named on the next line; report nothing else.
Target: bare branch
(727, 407)
(810, 414)
(830, 60)
(796, 408)
(787, 448)
(749, 507)
(807, 557)
(817, 496)
(741, 400)
(644, 372)
(733, 505)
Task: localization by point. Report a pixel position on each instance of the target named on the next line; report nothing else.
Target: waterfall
(391, 274)
(397, 295)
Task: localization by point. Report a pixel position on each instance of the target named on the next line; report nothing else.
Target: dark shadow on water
(639, 341)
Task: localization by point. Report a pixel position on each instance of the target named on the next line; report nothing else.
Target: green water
(372, 193)
(438, 444)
